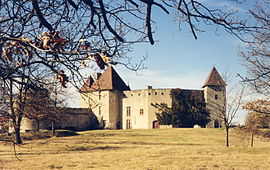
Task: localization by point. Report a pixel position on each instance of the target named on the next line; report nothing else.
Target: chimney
(97, 75)
(148, 87)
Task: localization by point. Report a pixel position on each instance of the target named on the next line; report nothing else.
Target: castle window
(128, 124)
(141, 111)
(99, 110)
(216, 96)
(139, 94)
(155, 93)
(131, 95)
(99, 96)
(162, 93)
(128, 110)
(149, 94)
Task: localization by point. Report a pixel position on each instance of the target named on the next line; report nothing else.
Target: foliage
(165, 115)
(255, 120)
(188, 109)
(259, 106)
(259, 117)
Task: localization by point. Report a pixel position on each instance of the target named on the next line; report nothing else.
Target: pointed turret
(109, 80)
(215, 97)
(214, 79)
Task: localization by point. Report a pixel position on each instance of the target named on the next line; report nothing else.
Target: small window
(128, 110)
(149, 94)
(141, 111)
(155, 93)
(139, 94)
(216, 96)
(128, 124)
(99, 96)
(99, 110)
(162, 93)
(131, 95)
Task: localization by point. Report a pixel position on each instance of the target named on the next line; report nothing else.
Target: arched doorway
(216, 124)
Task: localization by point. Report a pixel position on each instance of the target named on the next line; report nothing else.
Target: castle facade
(116, 106)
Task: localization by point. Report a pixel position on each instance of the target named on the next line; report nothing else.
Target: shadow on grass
(102, 135)
(63, 150)
(83, 148)
(65, 133)
(148, 143)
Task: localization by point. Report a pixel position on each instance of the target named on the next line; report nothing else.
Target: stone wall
(105, 105)
(74, 119)
(215, 98)
(143, 106)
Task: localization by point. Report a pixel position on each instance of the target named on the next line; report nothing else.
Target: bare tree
(16, 105)
(15, 91)
(256, 54)
(46, 105)
(58, 105)
(74, 33)
(63, 37)
(37, 106)
(233, 104)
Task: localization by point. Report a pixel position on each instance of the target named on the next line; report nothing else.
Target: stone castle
(116, 106)
(108, 102)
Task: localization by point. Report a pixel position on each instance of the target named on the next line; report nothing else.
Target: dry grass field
(139, 149)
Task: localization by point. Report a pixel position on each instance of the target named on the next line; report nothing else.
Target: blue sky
(178, 60)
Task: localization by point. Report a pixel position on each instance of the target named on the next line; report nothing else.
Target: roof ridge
(109, 80)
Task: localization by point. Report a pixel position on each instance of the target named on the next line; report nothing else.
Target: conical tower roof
(109, 80)
(214, 79)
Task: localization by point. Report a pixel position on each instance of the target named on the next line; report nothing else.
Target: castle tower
(104, 97)
(215, 98)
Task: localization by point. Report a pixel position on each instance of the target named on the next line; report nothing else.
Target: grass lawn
(139, 149)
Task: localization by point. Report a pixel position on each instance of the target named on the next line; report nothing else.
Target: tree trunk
(53, 128)
(252, 139)
(227, 137)
(18, 135)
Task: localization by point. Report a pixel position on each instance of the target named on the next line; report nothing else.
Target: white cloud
(163, 79)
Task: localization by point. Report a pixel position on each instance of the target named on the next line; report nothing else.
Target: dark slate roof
(109, 80)
(214, 79)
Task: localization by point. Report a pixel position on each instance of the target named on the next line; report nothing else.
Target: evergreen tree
(188, 109)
